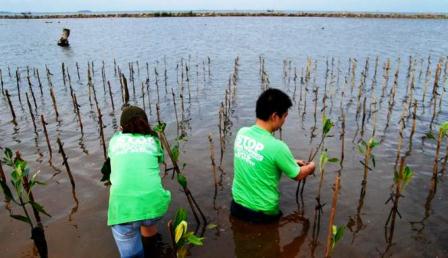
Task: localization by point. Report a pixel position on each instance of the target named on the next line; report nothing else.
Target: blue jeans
(128, 238)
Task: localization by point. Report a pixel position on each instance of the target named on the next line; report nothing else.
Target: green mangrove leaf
(175, 152)
(338, 233)
(160, 127)
(373, 143)
(430, 135)
(181, 215)
(333, 160)
(180, 230)
(361, 149)
(195, 240)
(212, 226)
(327, 125)
(407, 175)
(182, 180)
(21, 218)
(323, 159)
(8, 153)
(444, 128)
(39, 208)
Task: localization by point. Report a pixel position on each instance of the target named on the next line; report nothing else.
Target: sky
(172, 5)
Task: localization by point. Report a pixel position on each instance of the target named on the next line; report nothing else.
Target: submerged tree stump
(63, 41)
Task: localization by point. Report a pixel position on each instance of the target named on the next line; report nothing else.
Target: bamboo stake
(175, 110)
(70, 176)
(193, 204)
(212, 158)
(39, 82)
(78, 113)
(44, 125)
(77, 71)
(1, 82)
(31, 90)
(63, 73)
(143, 96)
(111, 96)
(101, 125)
(53, 99)
(126, 91)
(31, 112)
(18, 85)
(11, 107)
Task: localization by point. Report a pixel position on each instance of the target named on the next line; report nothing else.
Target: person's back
(260, 159)
(136, 192)
(137, 199)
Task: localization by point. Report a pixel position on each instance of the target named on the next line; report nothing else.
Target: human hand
(301, 162)
(306, 170)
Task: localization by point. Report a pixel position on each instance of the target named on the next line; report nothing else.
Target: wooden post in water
(18, 85)
(213, 163)
(44, 125)
(1, 82)
(77, 71)
(40, 83)
(53, 99)
(78, 113)
(101, 125)
(111, 96)
(11, 107)
(31, 90)
(63, 74)
(31, 112)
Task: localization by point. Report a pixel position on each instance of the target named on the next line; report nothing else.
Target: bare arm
(305, 170)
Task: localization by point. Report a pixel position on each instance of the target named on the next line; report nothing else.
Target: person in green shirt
(137, 199)
(260, 159)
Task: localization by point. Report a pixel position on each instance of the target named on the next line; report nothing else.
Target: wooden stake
(11, 107)
(111, 96)
(53, 99)
(101, 125)
(212, 158)
(44, 125)
(31, 112)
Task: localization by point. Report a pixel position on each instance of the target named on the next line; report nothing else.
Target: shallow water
(191, 41)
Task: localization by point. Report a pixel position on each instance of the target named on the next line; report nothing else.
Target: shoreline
(86, 15)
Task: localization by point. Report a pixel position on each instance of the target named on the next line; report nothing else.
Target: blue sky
(306, 5)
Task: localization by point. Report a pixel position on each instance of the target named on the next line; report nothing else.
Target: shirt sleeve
(286, 162)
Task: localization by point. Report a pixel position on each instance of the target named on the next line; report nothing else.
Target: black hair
(272, 101)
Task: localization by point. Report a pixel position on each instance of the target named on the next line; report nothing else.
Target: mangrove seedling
(337, 234)
(180, 237)
(23, 186)
(327, 124)
(173, 153)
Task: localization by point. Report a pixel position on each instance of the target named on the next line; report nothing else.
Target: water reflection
(253, 240)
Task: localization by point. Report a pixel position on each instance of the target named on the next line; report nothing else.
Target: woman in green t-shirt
(137, 199)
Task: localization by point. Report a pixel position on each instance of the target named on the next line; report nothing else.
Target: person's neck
(266, 125)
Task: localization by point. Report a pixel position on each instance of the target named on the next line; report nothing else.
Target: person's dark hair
(134, 120)
(272, 101)
(138, 125)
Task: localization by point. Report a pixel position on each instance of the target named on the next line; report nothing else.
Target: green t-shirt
(136, 192)
(259, 160)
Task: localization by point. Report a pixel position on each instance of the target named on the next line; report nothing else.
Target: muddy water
(81, 231)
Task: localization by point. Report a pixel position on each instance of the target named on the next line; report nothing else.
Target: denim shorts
(128, 238)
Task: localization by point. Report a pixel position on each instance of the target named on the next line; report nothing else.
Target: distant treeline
(226, 14)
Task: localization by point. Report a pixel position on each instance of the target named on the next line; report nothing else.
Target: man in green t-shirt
(260, 159)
